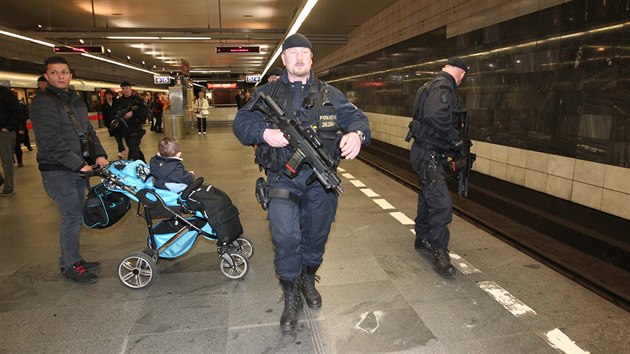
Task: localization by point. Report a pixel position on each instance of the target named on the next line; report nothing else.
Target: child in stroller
(212, 215)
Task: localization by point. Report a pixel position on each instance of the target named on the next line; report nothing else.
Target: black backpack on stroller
(217, 207)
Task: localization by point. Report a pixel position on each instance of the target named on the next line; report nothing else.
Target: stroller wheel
(234, 264)
(244, 246)
(137, 270)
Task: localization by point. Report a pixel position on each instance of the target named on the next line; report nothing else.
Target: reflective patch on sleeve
(444, 96)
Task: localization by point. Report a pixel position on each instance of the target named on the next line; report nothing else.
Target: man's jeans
(7, 148)
(68, 190)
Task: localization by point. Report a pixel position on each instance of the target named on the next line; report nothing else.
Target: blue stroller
(174, 235)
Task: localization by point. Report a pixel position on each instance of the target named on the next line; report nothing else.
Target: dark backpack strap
(69, 111)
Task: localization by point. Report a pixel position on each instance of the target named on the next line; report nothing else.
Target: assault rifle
(307, 147)
(463, 159)
(119, 118)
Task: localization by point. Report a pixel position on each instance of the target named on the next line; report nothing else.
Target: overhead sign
(75, 49)
(161, 79)
(231, 85)
(252, 79)
(236, 50)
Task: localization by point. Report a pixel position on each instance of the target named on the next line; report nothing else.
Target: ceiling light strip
(14, 35)
(47, 44)
(306, 10)
(117, 63)
(158, 38)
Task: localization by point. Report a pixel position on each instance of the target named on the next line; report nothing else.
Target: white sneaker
(204, 133)
(199, 133)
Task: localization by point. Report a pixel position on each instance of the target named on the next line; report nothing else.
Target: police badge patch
(444, 96)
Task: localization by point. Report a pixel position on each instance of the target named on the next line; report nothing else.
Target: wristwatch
(361, 136)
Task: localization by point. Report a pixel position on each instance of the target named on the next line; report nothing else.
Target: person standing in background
(116, 130)
(157, 108)
(42, 83)
(9, 120)
(202, 109)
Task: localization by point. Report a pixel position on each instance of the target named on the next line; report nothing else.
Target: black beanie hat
(296, 40)
(458, 63)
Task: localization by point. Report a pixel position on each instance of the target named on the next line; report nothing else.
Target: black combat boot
(442, 262)
(423, 245)
(292, 305)
(307, 284)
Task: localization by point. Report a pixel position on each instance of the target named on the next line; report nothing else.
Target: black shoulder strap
(69, 111)
(319, 100)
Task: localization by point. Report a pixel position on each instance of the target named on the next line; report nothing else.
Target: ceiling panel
(228, 22)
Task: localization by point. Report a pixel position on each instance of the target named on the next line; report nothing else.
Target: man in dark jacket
(135, 114)
(436, 137)
(9, 120)
(63, 131)
(302, 211)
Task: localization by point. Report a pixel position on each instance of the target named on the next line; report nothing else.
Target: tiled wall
(595, 185)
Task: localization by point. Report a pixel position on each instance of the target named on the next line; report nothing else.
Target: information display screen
(75, 49)
(236, 50)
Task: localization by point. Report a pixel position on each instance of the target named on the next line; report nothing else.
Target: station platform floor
(380, 295)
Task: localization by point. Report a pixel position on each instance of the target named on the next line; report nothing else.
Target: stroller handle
(96, 171)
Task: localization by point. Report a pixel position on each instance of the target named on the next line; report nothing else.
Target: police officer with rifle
(301, 128)
(130, 111)
(440, 150)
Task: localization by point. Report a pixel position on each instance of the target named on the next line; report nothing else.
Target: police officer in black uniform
(135, 114)
(435, 137)
(300, 213)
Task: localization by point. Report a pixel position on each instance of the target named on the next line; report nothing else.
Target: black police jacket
(249, 125)
(134, 104)
(437, 112)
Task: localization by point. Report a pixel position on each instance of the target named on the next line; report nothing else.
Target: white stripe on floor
(383, 204)
(347, 175)
(512, 304)
(369, 192)
(462, 264)
(402, 218)
(357, 183)
(557, 339)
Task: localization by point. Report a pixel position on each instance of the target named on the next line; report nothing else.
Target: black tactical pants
(435, 208)
(132, 138)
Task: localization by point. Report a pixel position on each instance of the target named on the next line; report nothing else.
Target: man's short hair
(168, 147)
(42, 79)
(125, 83)
(55, 60)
